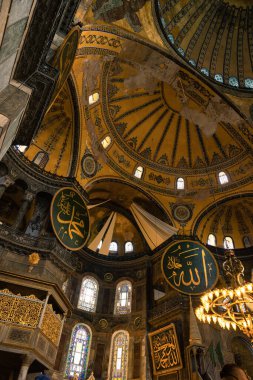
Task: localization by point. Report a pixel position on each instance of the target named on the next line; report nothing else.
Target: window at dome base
(41, 159)
(113, 247)
(228, 243)
(248, 83)
(106, 142)
(171, 38)
(233, 81)
(88, 294)
(123, 298)
(223, 178)
(93, 98)
(192, 62)
(246, 242)
(211, 240)
(138, 172)
(180, 184)
(78, 354)
(205, 71)
(119, 356)
(129, 246)
(181, 51)
(218, 78)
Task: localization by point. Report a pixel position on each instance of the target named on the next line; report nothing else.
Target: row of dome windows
(232, 81)
(228, 242)
(89, 293)
(114, 246)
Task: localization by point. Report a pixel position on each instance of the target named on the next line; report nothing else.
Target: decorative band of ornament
(51, 324)
(26, 311)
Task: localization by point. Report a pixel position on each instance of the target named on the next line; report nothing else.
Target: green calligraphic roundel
(70, 218)
(189, 267)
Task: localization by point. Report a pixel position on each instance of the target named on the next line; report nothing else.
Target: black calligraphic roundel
(70, 219)
(189, 267)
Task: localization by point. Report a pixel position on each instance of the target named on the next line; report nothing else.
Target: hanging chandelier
(231, 307)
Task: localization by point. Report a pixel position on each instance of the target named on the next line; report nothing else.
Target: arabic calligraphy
(189, 267)
(165, 350)
(69, 218)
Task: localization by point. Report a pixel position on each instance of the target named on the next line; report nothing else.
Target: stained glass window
(138, 172)
(223, 178)
(129, 246)
(228, 242)
(119, 355)
(123, 298)
(180, 183)
(211, 240)
(78, 354)
(88, 294)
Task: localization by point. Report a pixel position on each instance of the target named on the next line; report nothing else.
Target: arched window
(78, 354)
(65, 286)
(248, 83)
(211, 240)
(205, 71)
(233, 81)
(100, 244)
(246, 242)
(223, 178)
(123, 298)
(180, 184)
(129, 246)
(88, 294)
(93, 98)
(21, 148)
(218, 78)
(228, 242)
(138, 172)
(106, 142)
(113, 247)
(119, 356)
(41, 159)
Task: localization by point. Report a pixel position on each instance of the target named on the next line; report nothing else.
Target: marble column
(23, 209)
(5, 182)
(27, 361)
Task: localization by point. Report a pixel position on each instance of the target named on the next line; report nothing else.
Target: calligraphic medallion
(189, 267)
(165, 350)
(70, 218)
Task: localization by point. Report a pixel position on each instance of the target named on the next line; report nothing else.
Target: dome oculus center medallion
(70, 218)
(189, 267)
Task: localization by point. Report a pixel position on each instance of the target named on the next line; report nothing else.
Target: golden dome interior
(157, 115)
